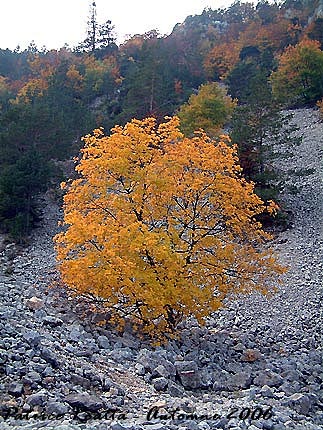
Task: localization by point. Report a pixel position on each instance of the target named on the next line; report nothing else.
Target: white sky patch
(52, 23)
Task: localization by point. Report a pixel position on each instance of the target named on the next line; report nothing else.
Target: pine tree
(260, 129)
(92, 30)
(100, 37)
(20, 183)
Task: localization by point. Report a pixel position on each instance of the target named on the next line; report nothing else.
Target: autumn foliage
(161, 226)
(209, 109)
(319, 104)
(299, 77)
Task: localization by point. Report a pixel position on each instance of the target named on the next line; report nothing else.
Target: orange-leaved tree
(161, 227)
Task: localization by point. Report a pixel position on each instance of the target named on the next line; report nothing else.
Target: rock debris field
(256, 365)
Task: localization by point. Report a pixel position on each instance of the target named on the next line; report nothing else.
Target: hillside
(50, 99)
(257, 353)
(163, 223)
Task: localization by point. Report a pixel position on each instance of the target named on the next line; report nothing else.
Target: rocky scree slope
(256, 365)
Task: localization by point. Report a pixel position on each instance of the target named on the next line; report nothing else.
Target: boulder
(15, 389)
(188, 374)
(160, 384)
(50, 357)
(84, 402)
(56, 408)
(37, 399)
(301, 403)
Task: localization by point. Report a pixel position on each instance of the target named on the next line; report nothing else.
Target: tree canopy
(161, 226)
(209, 109)
(299, 77)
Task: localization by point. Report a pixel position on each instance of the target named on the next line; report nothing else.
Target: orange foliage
(319, 104)
(4, 85)
(221, 59)
(161, 227)
(42, 69)
(272, 35)
(44, 65)
(300, 72)
(96, 69)
(33, 88)
(75, 79)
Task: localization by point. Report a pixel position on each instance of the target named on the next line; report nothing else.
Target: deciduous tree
(299, 77)
(161, 227)
(209, 109)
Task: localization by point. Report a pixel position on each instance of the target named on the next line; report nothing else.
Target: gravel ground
(256, 365)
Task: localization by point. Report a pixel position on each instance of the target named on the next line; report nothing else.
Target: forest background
(232, 69)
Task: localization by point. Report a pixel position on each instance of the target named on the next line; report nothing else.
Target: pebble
(261, 353)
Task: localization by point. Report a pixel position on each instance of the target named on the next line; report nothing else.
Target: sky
(53, 23)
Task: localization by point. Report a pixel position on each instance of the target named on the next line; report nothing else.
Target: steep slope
(296, 309)
(260, 353)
